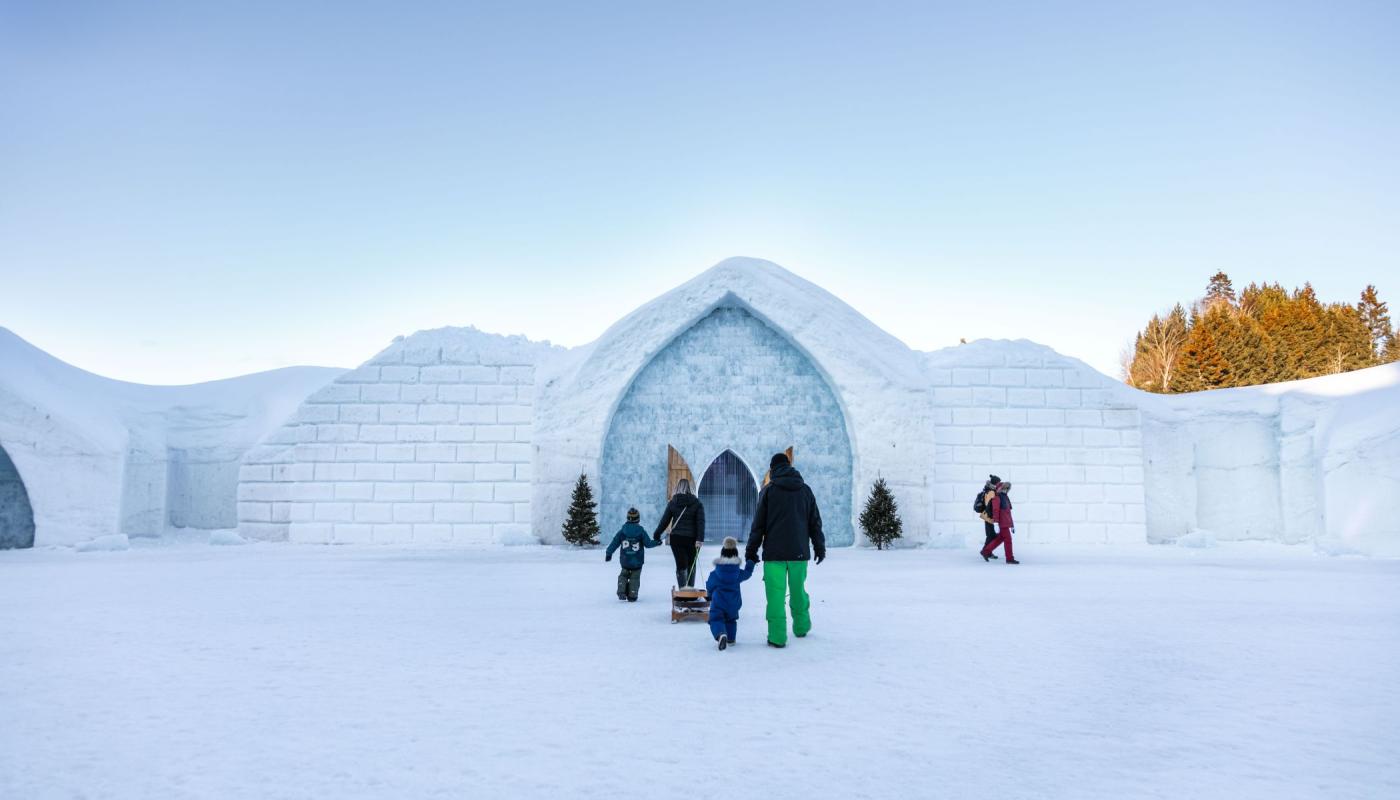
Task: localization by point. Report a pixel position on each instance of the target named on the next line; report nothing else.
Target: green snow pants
(628, 582)
(778, 578)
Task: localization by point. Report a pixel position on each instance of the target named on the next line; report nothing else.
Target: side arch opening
(16, 514)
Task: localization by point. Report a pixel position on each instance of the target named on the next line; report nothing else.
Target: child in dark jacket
(632, 538)
(725, 596)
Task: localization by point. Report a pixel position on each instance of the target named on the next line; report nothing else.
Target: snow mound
(226, 538)
(946, 541)
(110, 543)
(516, 538)
(1197, 539)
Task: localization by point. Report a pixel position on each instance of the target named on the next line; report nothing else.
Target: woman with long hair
(684, 518)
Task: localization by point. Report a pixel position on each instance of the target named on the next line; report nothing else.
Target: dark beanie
(993, 480)
(778, 460)
(633, 515)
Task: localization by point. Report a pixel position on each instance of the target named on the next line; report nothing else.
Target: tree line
(1264, 334)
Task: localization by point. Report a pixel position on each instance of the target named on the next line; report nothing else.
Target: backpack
(980, 504)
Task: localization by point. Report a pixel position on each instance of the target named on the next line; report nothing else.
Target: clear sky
(188, 194)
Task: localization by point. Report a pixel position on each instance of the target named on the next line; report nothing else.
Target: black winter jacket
(690, 525)
(786, 520)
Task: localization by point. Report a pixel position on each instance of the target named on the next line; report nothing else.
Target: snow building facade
(460, 436)
(456, 435)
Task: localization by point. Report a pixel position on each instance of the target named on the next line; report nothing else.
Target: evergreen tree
(1376, 315)
(1346, 341)
(879, 520)
(1266, 306)
(1243, 345)
(581, 527)
(1203, 366)
(1220, 289)
(1301, 336)
(1391, 352)
(1257, 301)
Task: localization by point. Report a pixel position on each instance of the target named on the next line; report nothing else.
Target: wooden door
(676, 468)
(767, 472)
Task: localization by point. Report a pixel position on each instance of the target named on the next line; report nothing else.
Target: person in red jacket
(1000, 511)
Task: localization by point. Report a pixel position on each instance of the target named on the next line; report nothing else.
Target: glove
(821, 557)
(608, 557)
(697, 545)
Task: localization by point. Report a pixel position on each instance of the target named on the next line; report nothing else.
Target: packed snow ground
(278, 671)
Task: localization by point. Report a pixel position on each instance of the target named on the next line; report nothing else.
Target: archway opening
(730, 495)
(16, 515)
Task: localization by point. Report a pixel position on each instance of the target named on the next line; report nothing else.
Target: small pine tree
(880, 521)
(581, 527)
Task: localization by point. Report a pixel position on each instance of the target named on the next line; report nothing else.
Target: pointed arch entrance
(727, 382)
(730, 495)
(16, 515)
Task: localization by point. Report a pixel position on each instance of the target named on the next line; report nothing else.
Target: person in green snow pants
(787, 529)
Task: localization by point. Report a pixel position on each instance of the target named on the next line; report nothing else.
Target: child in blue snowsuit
(723, 588)
(632, 538)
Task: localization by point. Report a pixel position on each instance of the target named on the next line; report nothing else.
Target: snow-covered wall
(1306, 461)
(98, 456)
(429, 441)
(1066, 436)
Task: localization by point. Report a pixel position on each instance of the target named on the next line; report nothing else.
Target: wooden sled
(689, 604)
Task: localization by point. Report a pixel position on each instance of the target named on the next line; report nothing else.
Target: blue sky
(190, 193)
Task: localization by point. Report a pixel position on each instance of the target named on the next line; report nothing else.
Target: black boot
(1012, 561)
(985, 557)
(680, 579)
(723, 640)
(771, 643)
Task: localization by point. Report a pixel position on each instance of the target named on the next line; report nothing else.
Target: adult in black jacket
(688, 532)
(787, 527)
